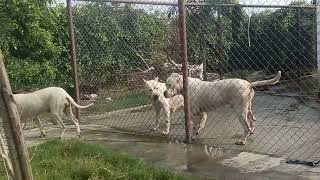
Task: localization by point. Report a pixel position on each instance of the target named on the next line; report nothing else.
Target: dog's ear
(156, 79)
(178, 75)
(178, 78)
(144, 80)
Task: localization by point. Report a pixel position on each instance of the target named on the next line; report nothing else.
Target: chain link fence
(120, 44)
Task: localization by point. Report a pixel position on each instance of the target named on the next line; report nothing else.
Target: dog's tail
(267, 82)
(70, 99)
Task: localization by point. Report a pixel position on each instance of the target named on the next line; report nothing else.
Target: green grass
(77, 160)
(129, 100)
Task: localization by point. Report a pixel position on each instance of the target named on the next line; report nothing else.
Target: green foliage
(204, 37)
(114, 40)
(74, 159)
(34, 42)
(282, 39)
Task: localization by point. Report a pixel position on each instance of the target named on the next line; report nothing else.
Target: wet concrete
(200, 161)
(285, 127)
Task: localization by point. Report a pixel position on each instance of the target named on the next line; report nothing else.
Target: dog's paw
(198, 131)
(42, 135)
(79, 135)
(165, 132)
(188, 142)
(153, 129)
(240, 142)
(252, 130)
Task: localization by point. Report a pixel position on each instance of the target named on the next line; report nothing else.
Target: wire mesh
(119, 45)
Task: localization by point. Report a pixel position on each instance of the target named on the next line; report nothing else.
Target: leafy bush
(115, 40)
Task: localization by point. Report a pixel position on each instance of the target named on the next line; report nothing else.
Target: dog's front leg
(195, 121)
(23, 125)
(40, 126)
(204, 117)
(167, 113)
(157, 109)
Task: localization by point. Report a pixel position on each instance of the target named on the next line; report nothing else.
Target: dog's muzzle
(165, 93)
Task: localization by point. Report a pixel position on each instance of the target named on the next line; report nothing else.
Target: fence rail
(167, 3)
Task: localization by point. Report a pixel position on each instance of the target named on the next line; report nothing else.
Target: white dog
(53, 100)
(206, 96)
(156, 90)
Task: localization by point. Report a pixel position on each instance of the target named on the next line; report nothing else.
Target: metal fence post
(73, 57)
(318, 41)
(203, 47)
(12, 128)
(220, 45)
(184, 50)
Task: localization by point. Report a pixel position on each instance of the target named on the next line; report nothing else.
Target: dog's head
(174, 85)
(154, 88)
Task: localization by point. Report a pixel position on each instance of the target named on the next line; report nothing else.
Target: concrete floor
(200, 161)
(285, 127)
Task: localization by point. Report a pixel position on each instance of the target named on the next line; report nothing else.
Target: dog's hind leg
(204, 117)
(251, 118)
(243, 118)
(40, 126)
(69, 114)
(58, 118)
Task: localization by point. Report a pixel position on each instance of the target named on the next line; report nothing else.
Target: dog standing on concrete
(206, 96)
(53, 100)
(155, 90)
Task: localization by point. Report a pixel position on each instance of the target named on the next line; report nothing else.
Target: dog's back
(37, 102)
(208, 95)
